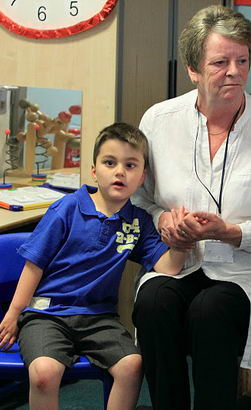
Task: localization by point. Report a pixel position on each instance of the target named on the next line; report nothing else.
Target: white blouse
(176, 132)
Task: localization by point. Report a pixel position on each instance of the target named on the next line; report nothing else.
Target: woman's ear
(193, 75)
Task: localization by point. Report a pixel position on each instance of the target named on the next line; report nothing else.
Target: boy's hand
(27, 284)
(171, 233)
(183, 247)
(8, 331)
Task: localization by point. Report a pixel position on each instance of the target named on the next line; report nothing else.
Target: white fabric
(171, 128)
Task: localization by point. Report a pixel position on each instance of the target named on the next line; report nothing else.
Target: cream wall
(86, 62)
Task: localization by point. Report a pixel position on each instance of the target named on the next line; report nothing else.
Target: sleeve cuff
(155, 215)
(246, 237)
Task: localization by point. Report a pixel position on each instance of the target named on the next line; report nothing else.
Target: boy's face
(119, 170)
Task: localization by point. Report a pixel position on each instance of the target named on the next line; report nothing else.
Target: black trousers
(195, 315)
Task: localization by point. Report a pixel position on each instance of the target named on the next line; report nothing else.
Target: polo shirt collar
(87, 207)
(126, 212)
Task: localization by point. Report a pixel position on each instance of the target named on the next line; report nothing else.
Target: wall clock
(242, 2)
(45, 19)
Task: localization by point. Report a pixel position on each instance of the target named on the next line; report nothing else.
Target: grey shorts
(101, 338)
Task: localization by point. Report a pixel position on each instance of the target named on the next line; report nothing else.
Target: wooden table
(10, 220)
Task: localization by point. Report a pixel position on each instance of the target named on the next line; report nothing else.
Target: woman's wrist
(232, 235)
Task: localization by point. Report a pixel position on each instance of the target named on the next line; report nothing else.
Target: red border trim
(242, 2)
(62, 32)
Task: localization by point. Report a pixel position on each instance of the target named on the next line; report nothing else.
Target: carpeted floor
(81, 395)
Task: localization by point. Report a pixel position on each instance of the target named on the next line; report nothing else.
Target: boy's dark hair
(125, 133)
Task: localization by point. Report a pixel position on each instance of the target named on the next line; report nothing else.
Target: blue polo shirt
(83, 253)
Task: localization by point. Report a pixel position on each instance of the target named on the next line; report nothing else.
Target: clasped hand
(180, 228)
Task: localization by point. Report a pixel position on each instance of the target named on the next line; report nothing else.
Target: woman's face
(224, 70)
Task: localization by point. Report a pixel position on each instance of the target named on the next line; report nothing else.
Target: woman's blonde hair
(217, 19)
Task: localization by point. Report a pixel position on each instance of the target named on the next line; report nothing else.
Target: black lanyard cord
(218, 204)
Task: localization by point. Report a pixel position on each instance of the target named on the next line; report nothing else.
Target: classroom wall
(86, 62)
(246, 11)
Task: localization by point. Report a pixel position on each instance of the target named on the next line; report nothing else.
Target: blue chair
(12, 368)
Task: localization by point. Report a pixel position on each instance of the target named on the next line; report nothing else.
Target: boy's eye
(130, 165)
(109, 162)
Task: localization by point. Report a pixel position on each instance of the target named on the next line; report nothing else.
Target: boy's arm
(171, 262)
(27, 284)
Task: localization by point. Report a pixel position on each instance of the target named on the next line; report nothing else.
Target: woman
(200, 147)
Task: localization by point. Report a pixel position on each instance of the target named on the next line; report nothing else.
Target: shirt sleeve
(246, 236)
(144, 197)
(150, 246)
(45, 241)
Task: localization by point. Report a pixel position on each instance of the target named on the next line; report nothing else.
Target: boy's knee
(131, 364)
(129, 367)
(45, 373)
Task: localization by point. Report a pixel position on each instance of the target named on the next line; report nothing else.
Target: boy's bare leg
(127, 374)
(45, 376)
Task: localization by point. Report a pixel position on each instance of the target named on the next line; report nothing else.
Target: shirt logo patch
(127, 238)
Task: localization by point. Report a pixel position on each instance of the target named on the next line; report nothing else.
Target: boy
(65, 301)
